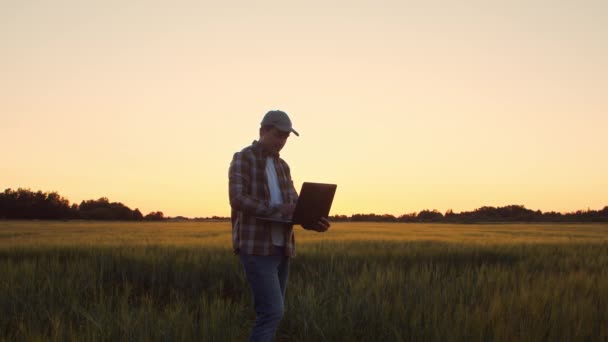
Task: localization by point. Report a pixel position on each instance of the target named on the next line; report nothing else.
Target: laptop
(314, 202)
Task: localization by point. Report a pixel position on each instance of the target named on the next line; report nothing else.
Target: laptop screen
(314, 202)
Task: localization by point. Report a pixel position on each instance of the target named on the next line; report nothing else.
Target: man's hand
(321, 226)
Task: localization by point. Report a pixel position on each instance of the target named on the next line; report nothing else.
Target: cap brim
(287, 130)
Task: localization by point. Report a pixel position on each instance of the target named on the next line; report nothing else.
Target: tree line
(27, 204)
(510, 213)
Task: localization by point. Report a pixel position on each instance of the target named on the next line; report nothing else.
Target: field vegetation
(88, 280)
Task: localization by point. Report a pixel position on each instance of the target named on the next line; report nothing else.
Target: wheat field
(179, 281)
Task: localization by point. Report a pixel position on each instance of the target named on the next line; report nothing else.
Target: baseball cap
(279, 120)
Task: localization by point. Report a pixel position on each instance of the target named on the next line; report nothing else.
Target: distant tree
(373, 218)
(411, 217)
(449, 216)
(552, 216)
(178, 218)
(155, 216)
(103, 209)
(339, 218)
(429, 216)
(136, 215)
(74, 211)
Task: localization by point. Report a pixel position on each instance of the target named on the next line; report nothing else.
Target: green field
(83, 281)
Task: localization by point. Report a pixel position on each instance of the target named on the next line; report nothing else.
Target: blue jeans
(267, 276)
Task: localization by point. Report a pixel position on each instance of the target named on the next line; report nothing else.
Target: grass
(80, 281)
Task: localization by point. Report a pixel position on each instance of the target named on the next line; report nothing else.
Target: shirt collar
(258, 148)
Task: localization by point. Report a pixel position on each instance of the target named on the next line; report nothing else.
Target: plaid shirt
(250, 197)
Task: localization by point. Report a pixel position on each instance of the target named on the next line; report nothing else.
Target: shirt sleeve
(240, 178)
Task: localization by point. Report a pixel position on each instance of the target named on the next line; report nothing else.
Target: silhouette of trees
(339, 218)
(510, 213)
(501, 214)
(26, 204)
(429, 216)
(411, 217)
(373, 217)
(154, 216)
(102, 209)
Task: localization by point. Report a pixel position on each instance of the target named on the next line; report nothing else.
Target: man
(260, 184)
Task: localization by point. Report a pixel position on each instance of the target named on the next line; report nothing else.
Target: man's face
(273, 139)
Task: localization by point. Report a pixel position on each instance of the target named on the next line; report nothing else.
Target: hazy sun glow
(405, 105)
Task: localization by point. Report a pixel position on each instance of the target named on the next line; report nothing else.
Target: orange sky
(406, 106)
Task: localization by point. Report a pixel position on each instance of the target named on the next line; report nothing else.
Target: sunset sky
(406, 105)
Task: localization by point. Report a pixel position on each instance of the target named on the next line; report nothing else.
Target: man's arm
(239, 178)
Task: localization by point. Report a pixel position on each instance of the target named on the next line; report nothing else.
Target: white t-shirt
(277, 229)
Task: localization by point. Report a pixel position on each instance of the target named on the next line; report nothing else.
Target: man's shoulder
(246, 155)
(246, 150)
